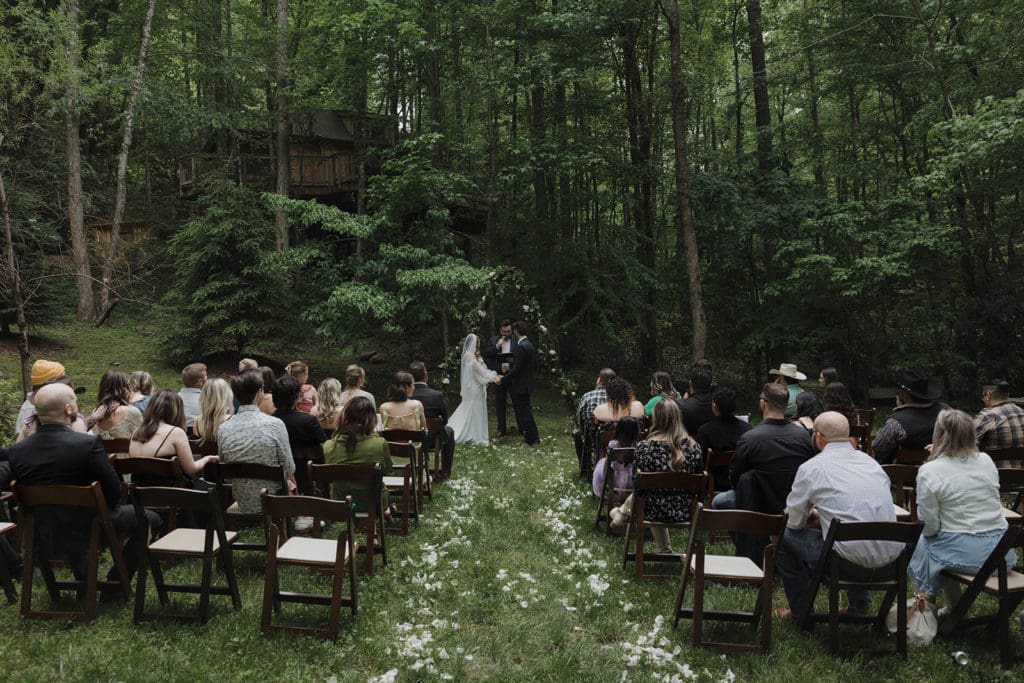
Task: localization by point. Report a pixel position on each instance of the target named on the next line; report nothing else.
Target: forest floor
(504, 579)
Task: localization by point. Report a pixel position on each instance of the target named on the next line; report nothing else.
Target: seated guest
(668, 449)
(304, 433)
(958, 502)
(434, 406)
(627, 433)
(910, 425)
(828, 376)
(619, 402)
(114, 416)
(162, 433)
(45, 372)
(55, 454)
(697, 405)
(193, 377)
(723, 432)
(247, 364)
(790, 377)
(808, 407)
(252, 436)
(266, 405)
(772, 451)
(401, 410)
(328, 403)
(1000, 424)
(299, 370)
(141, 385)
(355, 380)
(836, 398)
(216, 405)
(583, 429)
(839, 484)
(661, 387)
(355, 443)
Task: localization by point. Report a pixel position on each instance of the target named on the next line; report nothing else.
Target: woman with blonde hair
(141, 385)
(355, 380)
(668, 448)
(216, 405)
(328, 403)
(958, 502)
(307, 392)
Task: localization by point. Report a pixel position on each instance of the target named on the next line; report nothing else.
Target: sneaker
(303, 524)
(944, 611)
(617, 517)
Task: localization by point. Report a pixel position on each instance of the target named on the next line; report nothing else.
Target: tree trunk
(76, 210)
(762, 108)
(433, 77)
(686, 231)
(120, 197)
(14, 282)
(816, 143)
(737, 90)
(282, 151)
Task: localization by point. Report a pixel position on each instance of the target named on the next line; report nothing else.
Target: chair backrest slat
(681, 481)
(277, 507)
(149, 467)
(910, 456)
(117, 446)
(406, 435)
(1014, 455)
(31, 495)
(168, 496)
(718, 458)
(897, 532)
(623, 456)
(746, 521)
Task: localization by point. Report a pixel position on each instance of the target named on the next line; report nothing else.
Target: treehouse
(323, 162)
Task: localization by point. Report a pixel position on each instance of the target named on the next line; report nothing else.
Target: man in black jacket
(434, 405)
(57, 455)
(498, 356)
(520, 375)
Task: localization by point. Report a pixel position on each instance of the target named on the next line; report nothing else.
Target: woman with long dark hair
(837, 398)
(355, 441)
(115, 417)
(401, 410)
(162, 433)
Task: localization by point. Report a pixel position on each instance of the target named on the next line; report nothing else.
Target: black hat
(919, 386)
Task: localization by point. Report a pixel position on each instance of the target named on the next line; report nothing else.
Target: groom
(520, 380)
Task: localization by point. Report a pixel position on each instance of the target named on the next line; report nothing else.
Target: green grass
(504, 579)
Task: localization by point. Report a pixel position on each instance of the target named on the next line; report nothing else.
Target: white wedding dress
(469, 421)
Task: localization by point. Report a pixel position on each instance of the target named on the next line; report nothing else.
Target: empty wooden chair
(660, 482)
(730, 570)
(827, 571)
(222, 473)
(364, 484)
(993, 579)
(101, 533)
(337, 556)
(209, 544)
(612, 495)
(903, 483)
(5, 573)
(418, 439)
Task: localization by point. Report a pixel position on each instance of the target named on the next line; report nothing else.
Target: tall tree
(762, 106)
(282, 149)
(76, 207)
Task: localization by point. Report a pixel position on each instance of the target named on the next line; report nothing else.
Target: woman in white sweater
(958, 502)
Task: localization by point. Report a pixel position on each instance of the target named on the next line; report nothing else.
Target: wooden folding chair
(657, 482)
(362, 483)
(213, 542)
(201, 447)
(1011, 486)
(5, 573)
(435, 425)
(149, 471)
(903, 483)
(117, 447)
(911, 456)
(319, 553)
(864, 417)
(91, 501)
(862, 433)
(1007, 587)
(715, 459)
(418, 438)
(1007, 457)
(728, 570)
(612, 495)
(827, 571)
(221, 473)
(401, 480)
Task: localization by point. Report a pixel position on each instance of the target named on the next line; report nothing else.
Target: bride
(469, 421)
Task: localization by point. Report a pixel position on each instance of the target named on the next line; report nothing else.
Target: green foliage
(230, 288)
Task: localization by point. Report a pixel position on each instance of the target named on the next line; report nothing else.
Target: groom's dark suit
(493, 359)
(520, 375)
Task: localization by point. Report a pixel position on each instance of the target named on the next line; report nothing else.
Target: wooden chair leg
(8, 584)
(92, 577)
(681, 593)
(140, 591)
(227, 563)
(204, 589)
(269, 580)
(158, 580)
(28, 547)
(833, 607)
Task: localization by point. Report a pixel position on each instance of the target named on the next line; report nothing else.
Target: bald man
(57, 455)
(839, 483)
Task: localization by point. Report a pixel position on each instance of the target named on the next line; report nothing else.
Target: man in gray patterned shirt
(252, 436)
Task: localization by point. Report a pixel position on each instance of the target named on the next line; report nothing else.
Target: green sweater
(368, 451)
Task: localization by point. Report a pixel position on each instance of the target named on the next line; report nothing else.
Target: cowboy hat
(919, 386)
(789, 370)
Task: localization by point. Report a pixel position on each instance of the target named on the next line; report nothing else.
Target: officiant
(498, 356)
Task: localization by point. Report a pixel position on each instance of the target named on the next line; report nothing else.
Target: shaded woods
(828, 183)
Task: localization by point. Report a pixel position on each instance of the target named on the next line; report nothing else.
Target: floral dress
(654, 456)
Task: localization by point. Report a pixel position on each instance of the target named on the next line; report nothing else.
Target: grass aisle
(504, 579)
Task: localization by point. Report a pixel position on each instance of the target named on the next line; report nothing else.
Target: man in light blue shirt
(193, 377)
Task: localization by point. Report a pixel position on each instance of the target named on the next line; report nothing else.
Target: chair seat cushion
(5, 527)
(1014, 580)
(1010, 514)
(730, 567)
(902, 514)
(394, 482)
(188, 541)
(309, 551)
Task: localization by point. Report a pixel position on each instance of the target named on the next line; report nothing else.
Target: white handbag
(922, 620)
